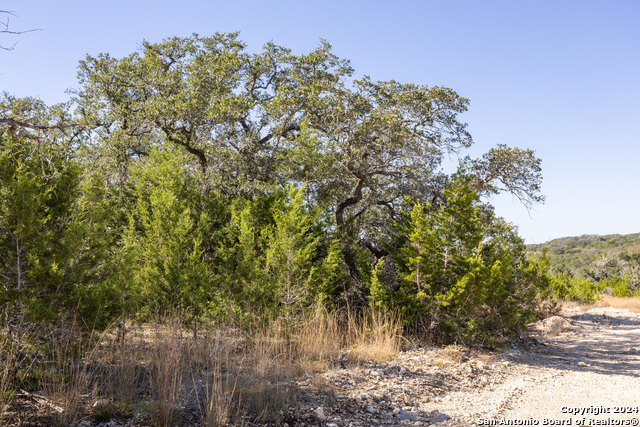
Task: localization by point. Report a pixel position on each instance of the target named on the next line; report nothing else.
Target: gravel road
(583, 369)
(578, 368)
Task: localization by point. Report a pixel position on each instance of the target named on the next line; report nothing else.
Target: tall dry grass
(629, 303)
(7, 372)
(164, 375)
(67, 380)
(55, 365)
(604, 300)
(166, 368)
(374, 336)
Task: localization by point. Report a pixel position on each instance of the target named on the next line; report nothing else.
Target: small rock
(555, 325)
(404, 415)
(320, 414)
(582, 364)
(438, 417)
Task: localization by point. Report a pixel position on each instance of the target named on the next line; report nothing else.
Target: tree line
(589, 265)
(198, 178)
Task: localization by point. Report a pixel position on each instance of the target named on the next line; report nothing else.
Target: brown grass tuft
(166, 372)
(163, 374)
(629, 303)
(374, 336)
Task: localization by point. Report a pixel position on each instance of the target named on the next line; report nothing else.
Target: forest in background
(578, 253)
(590, 263)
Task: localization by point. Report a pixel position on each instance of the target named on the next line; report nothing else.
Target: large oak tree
(253, 122)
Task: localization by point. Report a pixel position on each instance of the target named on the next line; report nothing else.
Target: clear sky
(559, 77)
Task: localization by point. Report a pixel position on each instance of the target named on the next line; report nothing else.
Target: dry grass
(214, 355)
(65, 387)
(451, 354)
(629, 303)
(485, 358)
(163, 375)
(440, 362)
(576, 304)
(319, 341)
(61, 370)
(166, 372)
(7, 374)
(455, 353)
(555, 325)
(374, 336)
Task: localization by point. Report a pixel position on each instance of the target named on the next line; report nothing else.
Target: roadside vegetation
(589, 267)
(198, 224)
(161, 374)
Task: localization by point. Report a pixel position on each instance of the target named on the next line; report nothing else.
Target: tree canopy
(232, 181)
(255, 121)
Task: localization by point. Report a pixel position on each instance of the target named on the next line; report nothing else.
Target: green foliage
(293, 250)
(616, 287)
(228, 109)
(580, 289)
(590, 264)
(162, 243)
(590, 255)
(508, 169)
(197, 179)
(49, 233)
(252, 123)
(464, 276)
(242, 256)
(218, 258)
(276, 258)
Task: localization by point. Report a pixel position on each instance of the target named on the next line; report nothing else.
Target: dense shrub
(49, 233)
(463, 274)
(210, 257)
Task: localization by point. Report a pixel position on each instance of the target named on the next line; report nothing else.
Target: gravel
(578, 367)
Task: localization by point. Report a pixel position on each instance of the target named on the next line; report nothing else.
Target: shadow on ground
(609, 345)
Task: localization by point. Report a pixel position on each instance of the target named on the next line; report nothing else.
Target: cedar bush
(463, 274)
(49, 234)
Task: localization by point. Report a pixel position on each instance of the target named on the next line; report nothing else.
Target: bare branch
(14, 125)
(4, 29)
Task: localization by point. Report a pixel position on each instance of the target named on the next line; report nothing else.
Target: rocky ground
(579, 367)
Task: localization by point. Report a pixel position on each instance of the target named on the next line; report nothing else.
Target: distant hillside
(578, 255)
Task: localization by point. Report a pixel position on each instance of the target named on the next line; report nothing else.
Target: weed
(374, 336)
(164, 375)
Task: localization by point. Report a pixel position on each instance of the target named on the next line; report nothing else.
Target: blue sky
(559, 77)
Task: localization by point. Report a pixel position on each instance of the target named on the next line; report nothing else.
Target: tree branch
(13, 126)
(355, 198)
(6, 30)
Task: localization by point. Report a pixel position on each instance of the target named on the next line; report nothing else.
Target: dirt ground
(578, 368)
